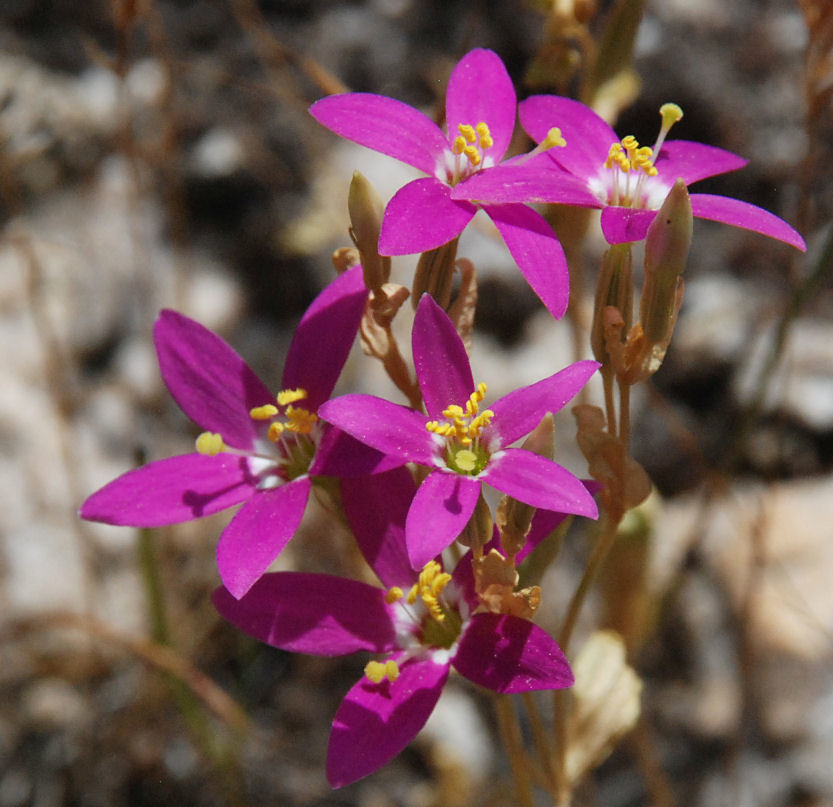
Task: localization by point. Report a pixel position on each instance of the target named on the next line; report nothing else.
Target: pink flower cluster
(265, 451)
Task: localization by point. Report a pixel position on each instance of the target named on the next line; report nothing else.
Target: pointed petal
(537, 252)
(509, 654)
(209, 381)
(441, 508)
(538, 481)
(311, 613)
(519, 412)
(480, 90)
(422, 216)
(258, 532)
(376, 721)
(385, 426)
(588, 137)
(694, 161)
(538, 180)
(376, 508)
(342, 455)
(386, 125)
(324, 337)
(172, 490)
(440, 358)
(621, 225)
(745, 215)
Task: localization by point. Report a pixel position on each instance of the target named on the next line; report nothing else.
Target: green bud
(666, 250)
(366, 210)
(614, 289)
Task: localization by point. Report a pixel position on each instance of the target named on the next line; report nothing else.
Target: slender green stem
(543, 747)
(511, 736)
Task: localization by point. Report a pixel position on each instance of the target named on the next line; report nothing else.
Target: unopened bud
(666, 250)
(434, 274)
(614, 290)
(366, 209)
(479, 528)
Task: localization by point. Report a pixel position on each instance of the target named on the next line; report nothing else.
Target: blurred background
(159, 153)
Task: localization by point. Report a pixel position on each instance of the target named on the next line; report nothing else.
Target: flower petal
(538, 180)
(441, 508)
(385, 426)
(172, 490)
(519, 412)
(376, 721)
(538, 481)
(376, 508)
(258, 532)
(324, 337)
(621, 225)
(422, 216)
(440, 358)
(480, 90)
(340, 454)
(537, 252)
(508, 654)
(209, 381)
(386, 125)
(588, 136)
(694, 161)
(745, 215)
(311, 613)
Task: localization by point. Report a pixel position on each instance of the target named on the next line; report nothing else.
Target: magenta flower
(424, 214)
(424, 623)
(257, 448)
(628, 182)
(462, 445)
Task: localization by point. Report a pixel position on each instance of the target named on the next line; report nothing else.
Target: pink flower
(257, 448)
(628, 182)
(423, 623)
(429, 212)
(462, 446)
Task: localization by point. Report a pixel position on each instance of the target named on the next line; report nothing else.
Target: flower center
(629, 168)
(289, 445)
(464, 452)
(468, 151)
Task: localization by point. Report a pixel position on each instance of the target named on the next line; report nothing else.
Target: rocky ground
(167, 160)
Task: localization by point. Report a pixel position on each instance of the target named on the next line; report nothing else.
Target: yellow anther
(630, 143)
(484, 135)
(473, 154)
(275, 431)
(554, 138)
(413, 594)
(210, 444)
(263, 412)
(393, 595)
(459, 144)
(377, 671)
(465, 460)
(299, 420)
(289, 396)
(467, 131)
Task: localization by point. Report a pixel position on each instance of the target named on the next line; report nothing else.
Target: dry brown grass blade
(157, 656)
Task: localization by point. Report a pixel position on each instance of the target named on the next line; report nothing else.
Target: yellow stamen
(210, 444)
(432, 580)
(275, 431)
(459, 144)
(484, 135)
(473, 154)
(300, 420)
(553, 138)
(263, 412)
(467, 131)
(670, 114)
(377, 671)
(393, 595)
(289, 396)
(464, 425)
(391, 670)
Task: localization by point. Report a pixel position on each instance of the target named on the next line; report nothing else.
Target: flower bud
(666, 250)
(614, 290)
(366, 210)
(478, 530)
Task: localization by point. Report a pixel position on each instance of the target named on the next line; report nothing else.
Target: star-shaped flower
(257, 448)
(424, 214)
(627, 181)
(423, 622)
(461, 445)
